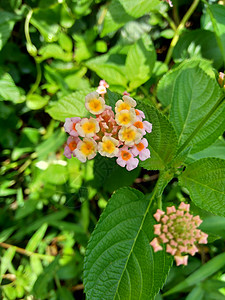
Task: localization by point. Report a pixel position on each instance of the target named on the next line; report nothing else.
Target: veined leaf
(166, 86)
(205, 180)
(197, 109)
(69, 106)
(120, 263)
(162, 140)
(128, 11)
(110, 67)
(140, 61)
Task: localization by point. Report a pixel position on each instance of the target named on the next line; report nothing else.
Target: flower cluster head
(119, 134)
(178, 230)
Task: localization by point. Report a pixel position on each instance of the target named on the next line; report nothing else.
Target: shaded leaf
(205, 180)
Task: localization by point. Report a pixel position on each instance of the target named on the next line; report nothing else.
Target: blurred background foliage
(55, 52)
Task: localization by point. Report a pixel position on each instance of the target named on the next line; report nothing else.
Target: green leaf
(120, 263)
(140, 62)
(7, 21)
(69, 106)
(64, 294)
(205, 271)
(198, 42)
(217, 13)
(55, 174)
(128, 11)
(40, 288)
(162, 140)
(214, 225)
(8, 89)
(36, 238)
(110, 176)
(205, 180)
(197, 111)
(166, 86)
(36, 101)
(214, 150)
(53, 51)
(196, 294)
(47, 22)
(110, 67)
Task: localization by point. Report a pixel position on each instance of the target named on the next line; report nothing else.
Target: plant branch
(27, 253)
(179, 30)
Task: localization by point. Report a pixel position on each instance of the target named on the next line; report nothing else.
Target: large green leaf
(7, 21)
(110, 67)
(120, 263)
(69, 106)
(166, 86)
(197, 110)
(205, 180)
(162, 140)
(128, 11)
(198, 42)
(140, 62)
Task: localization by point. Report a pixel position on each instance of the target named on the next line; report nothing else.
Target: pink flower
(139, 113)
(71, 145)
(125, 93)
(103, 83)
(169, 2)
(70, 125)
(141, 150)
(178, 230)
(126, 158)
(143, 126)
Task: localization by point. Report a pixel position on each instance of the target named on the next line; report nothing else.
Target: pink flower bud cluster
(118, 134)
(169, 2)
(178, 230)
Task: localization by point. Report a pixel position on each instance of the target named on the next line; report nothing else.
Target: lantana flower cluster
(118, 134)
(178, 230)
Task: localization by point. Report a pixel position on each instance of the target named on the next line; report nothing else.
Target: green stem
(38, 79)
(27, 253)
(170, 21)
(179, 30)
(26, 27)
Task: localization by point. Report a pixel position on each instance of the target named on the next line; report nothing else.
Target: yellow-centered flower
(108, 146)
(126, 117)
(130, 135)
(86, 149)
(87, 127)
(94, 104)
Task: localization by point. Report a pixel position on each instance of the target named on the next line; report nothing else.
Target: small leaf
(140, 61)
(40, 288)
(36, 238)
(128, 11)
(120, 263)
(36, 101)
(162, 140)
(205, 271)
(7, 21)
(109, 67)
(8, 89)
(69, 106)
(205, 180)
